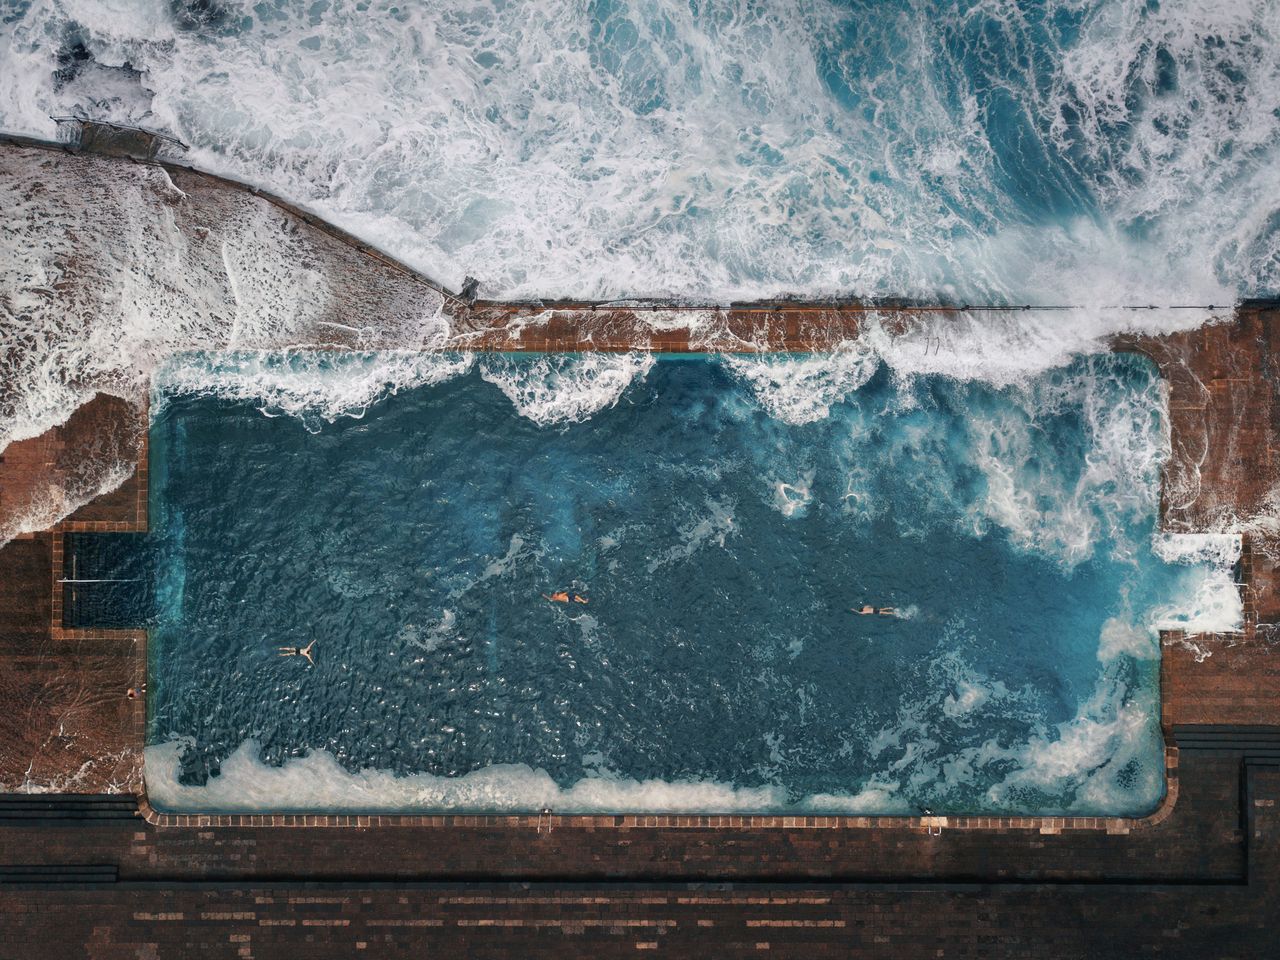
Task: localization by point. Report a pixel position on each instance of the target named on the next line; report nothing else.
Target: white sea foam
(802, 389)
(1052, 503)
(1108, 755)
(108, 270)
(969, 696)
(319, 782)
(878, 796)
(792, 498)
(1105, 758)
(1122, 638)
(563, 388)
(715, 153)
(1216, 549)
(1128, 440)
(1010, 348)
(558, 147)
(1210, 600)
(311, 386)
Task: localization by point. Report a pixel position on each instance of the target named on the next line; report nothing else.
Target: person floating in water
(864, 610)
(299, 652)
(867, 610)
(563, 597)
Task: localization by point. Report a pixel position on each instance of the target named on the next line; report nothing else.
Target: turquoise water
(721, 531)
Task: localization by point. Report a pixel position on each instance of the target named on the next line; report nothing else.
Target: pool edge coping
(549, 820)
(1044, 824)
(934, 825)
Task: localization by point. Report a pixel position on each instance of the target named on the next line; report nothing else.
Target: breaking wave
(1093, 153)
(802, 390)
(315, 387)
(1022, 150)
(560, 388)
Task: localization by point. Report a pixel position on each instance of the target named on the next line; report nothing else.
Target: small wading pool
(722, 516)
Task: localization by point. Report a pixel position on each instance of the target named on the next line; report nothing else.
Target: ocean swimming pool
(723, 517)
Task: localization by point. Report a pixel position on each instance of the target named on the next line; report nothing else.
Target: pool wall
(1044, 824)
(1192, 426)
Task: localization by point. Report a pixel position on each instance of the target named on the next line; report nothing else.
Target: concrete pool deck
(82, 874)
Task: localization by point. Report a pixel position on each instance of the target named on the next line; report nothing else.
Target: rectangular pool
(715, 523)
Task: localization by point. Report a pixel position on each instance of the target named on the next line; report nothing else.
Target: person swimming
(563, 597)
(299, 652)
(867, 610)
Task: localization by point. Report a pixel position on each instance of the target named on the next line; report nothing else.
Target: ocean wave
(318, 782)
(314, 387)
(110, 270)
(1027, 152)
(802, 389)
(565, 388)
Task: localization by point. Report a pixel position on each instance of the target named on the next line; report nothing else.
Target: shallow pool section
(721, 519)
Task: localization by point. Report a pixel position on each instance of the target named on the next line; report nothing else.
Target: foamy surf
(314, 387)
(802, 389)
(317, 782)
(564, 388)
(732, 153)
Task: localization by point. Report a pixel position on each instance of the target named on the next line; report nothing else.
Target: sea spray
(315, 387)
(1049, 151)
(562, 388)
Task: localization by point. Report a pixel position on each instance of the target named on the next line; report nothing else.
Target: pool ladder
(544, 812)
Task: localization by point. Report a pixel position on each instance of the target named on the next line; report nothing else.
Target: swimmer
(863, 611)
(561, 597)
(299, 652)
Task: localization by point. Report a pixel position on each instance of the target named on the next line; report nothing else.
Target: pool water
(722, 517)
